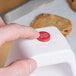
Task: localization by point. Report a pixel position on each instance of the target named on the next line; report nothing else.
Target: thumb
(19, 68)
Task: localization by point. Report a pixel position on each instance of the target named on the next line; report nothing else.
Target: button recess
(44, 36)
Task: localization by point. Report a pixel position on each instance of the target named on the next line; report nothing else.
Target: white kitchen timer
(49, 49)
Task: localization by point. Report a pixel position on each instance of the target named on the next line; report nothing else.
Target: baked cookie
(44, 20)
(72, 3)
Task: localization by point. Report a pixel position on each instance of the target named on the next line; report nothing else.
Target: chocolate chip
(65, 30)
(72, 0)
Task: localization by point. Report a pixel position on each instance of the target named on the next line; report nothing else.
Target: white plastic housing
(55, 51)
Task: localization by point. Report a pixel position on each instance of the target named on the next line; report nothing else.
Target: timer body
(49, 49)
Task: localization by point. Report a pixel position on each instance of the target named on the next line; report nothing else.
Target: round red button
(44, 36)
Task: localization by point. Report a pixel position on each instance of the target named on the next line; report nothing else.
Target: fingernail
(35, 35)
(32, 65)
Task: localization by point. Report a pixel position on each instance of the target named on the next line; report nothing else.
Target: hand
(21, 67)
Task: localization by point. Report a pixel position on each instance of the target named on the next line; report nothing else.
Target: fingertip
(35, 34)
(26, 31)
(26, 65)
(32, 65)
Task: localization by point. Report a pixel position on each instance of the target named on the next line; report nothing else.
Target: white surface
(61, 8)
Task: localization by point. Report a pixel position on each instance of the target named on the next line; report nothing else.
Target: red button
(44, 36)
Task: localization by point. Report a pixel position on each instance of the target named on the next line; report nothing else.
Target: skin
(12, 32)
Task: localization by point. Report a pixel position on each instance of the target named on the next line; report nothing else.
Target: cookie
(72, 4)
(44, 20)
